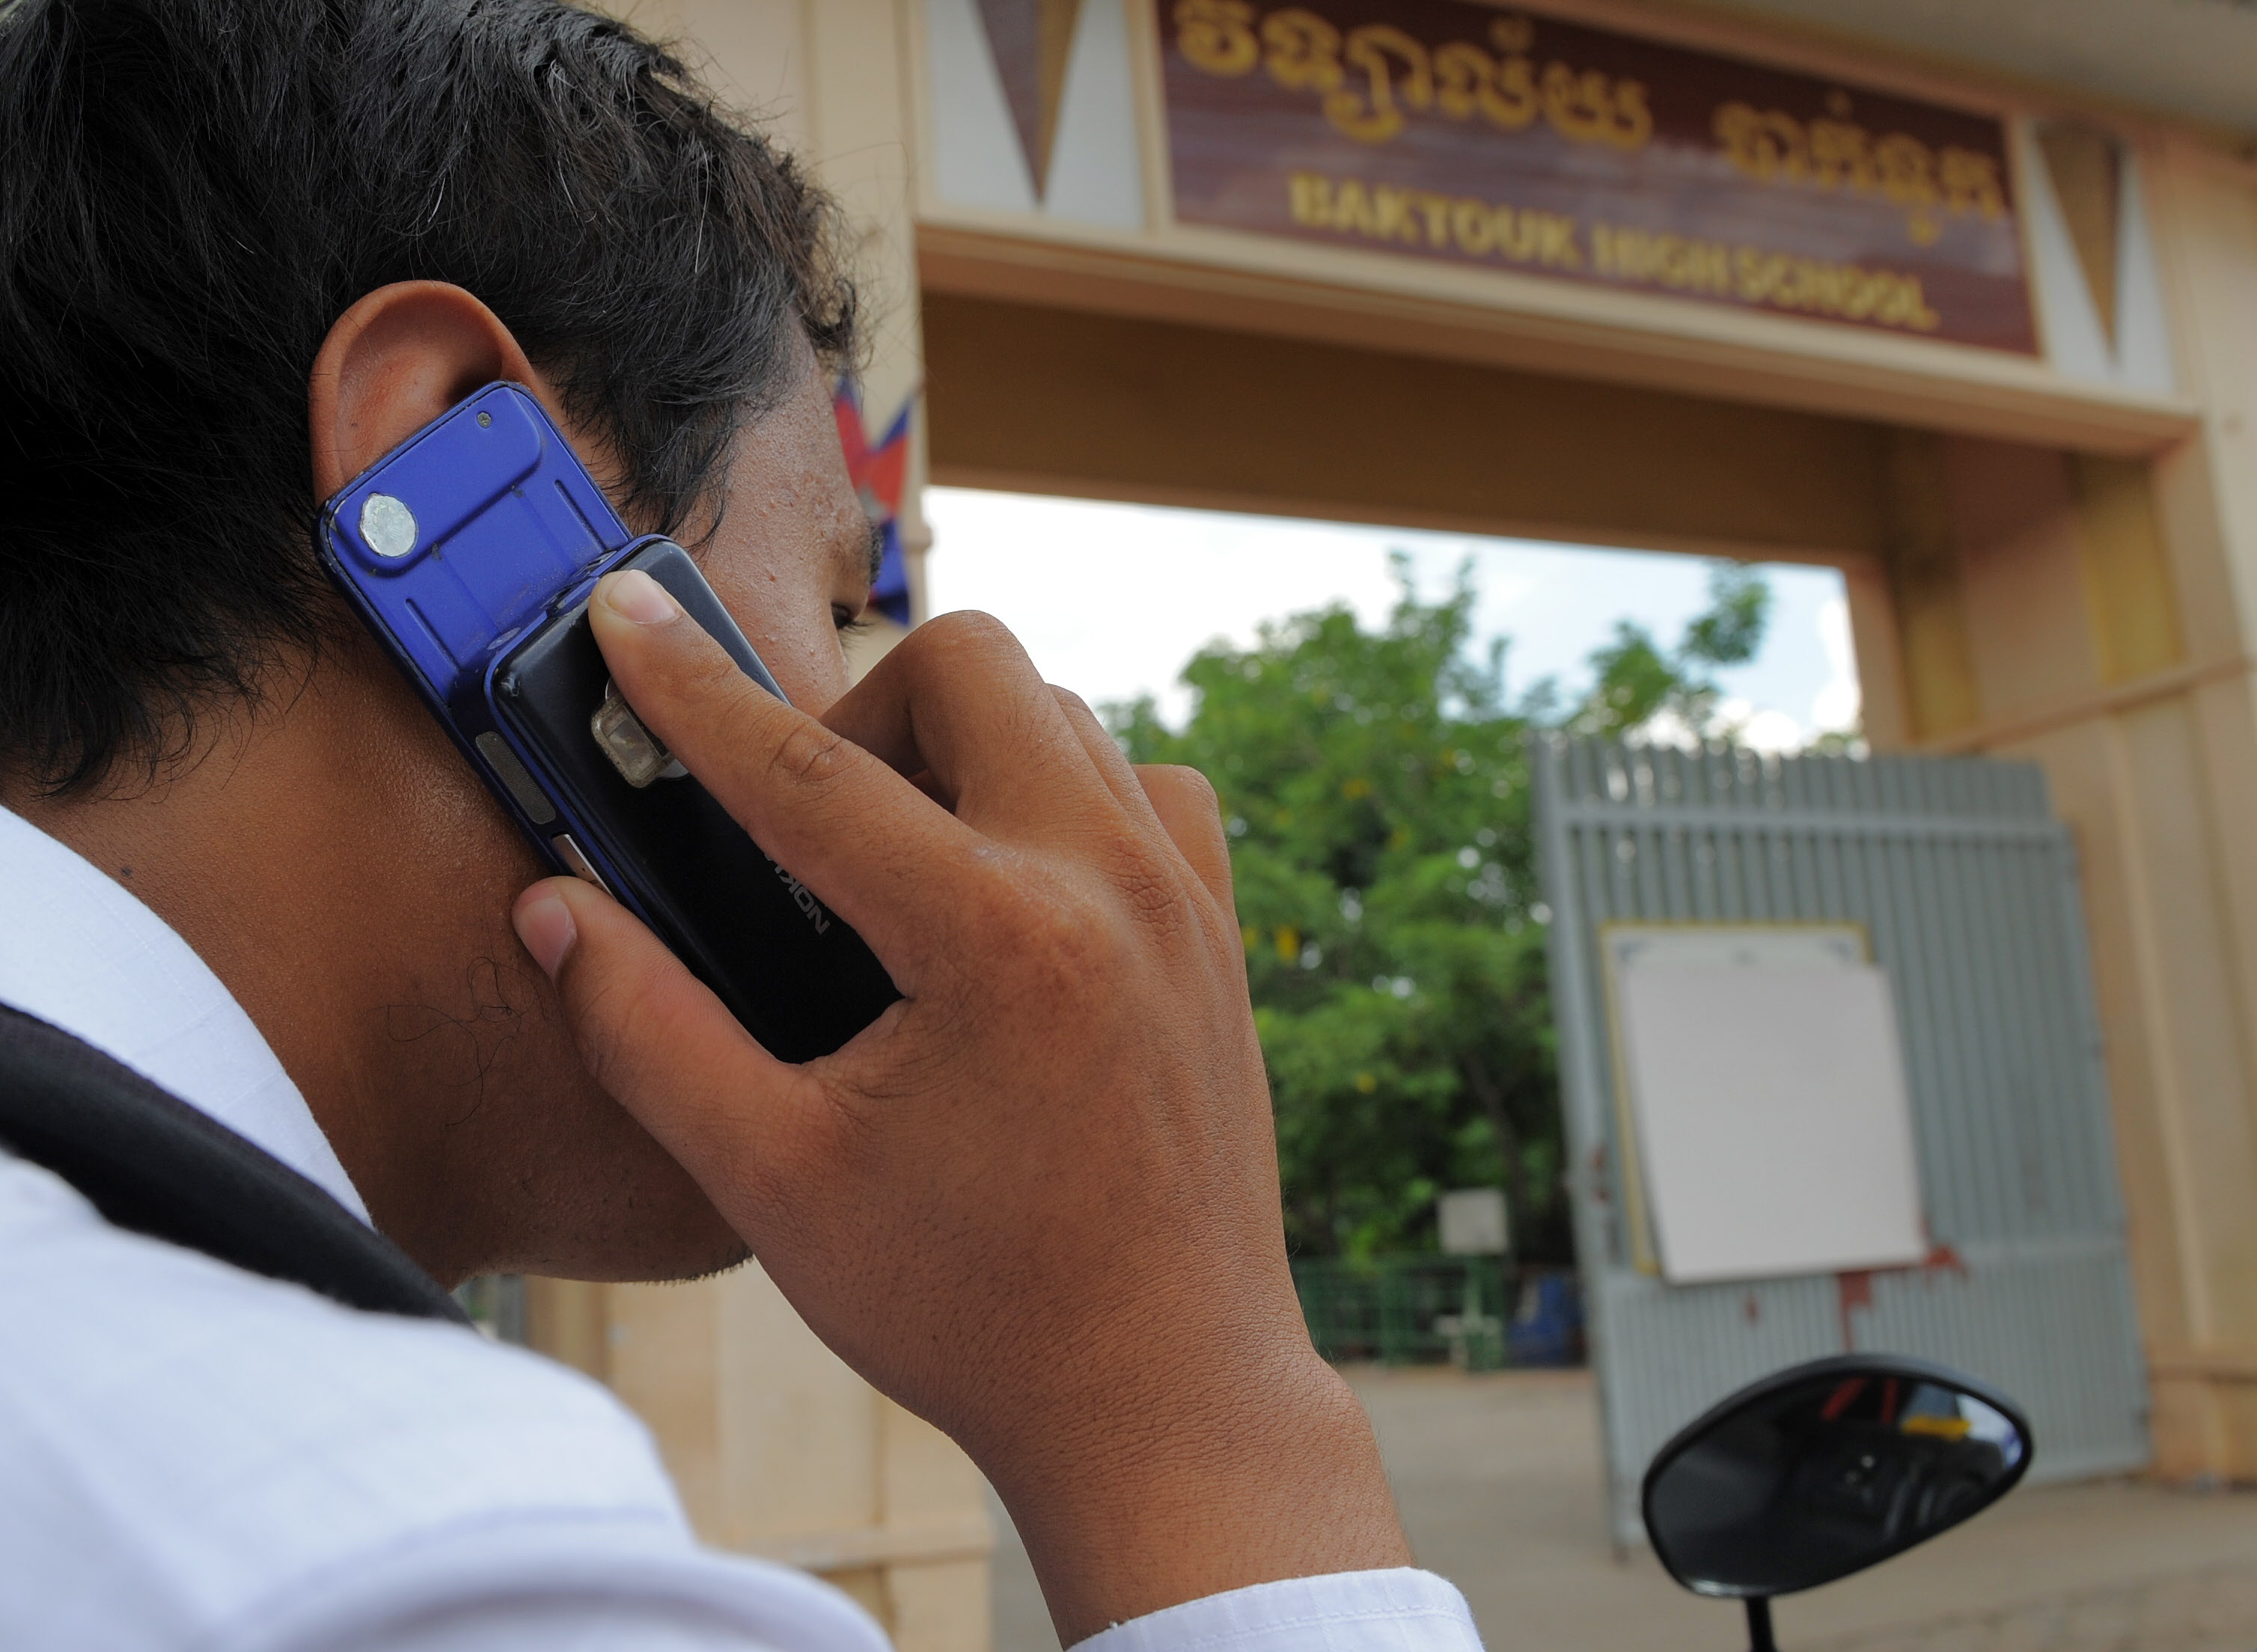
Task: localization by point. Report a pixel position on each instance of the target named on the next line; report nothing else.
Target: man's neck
(81, 954)
(279, 853)
(340, 869)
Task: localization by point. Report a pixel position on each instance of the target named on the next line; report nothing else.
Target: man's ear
(395, 361)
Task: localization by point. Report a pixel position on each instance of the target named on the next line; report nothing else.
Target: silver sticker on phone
(512, 773)
(388, 526)
(633, 749)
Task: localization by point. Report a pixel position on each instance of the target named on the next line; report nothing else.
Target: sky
(1112, 600)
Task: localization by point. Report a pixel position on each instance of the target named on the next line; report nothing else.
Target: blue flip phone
(469, 551)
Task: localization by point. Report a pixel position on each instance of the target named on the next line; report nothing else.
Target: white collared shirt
(192, 1457)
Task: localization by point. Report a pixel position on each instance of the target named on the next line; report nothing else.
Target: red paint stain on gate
(1853, 1290)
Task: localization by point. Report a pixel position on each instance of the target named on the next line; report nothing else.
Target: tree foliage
(1374, 788)
(1638, 683)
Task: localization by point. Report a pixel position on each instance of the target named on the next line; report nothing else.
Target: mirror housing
(1827, 1468)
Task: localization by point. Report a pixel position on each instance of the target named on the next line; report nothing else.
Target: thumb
(662, 1046)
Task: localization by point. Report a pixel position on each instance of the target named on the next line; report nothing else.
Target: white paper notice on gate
(1765, 1079)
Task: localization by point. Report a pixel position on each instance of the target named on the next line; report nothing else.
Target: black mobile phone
(801, 981)
(470, 551)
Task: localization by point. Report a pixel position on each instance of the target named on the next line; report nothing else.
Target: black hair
(192, 191)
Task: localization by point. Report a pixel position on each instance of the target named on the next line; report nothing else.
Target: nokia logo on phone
(805, 900)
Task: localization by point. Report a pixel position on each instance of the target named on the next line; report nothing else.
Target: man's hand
(1037, 1200)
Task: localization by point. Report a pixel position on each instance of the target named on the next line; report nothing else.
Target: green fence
(1404, 1309)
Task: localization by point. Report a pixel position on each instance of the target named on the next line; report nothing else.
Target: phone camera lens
(633, 749)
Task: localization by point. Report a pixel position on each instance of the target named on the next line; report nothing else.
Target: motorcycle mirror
(1825, 1469)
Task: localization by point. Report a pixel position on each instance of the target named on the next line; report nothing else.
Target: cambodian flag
(878, 470)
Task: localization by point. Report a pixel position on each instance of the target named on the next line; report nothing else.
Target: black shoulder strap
(149, 1161)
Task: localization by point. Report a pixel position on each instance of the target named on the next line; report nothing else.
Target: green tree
(1374, 788)
(1637, 682)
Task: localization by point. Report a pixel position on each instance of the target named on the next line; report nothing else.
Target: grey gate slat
(1967, 888)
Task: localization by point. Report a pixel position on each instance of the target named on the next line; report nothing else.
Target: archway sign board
(1452, 130)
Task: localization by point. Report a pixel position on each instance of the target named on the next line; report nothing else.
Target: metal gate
(1967, 888)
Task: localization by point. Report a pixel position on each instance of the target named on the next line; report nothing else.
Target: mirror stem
(1759, 1625)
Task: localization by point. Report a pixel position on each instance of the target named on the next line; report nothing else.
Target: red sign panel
(1447, 130)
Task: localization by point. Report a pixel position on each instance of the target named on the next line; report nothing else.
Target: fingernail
(634, 595)
(544, 923)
